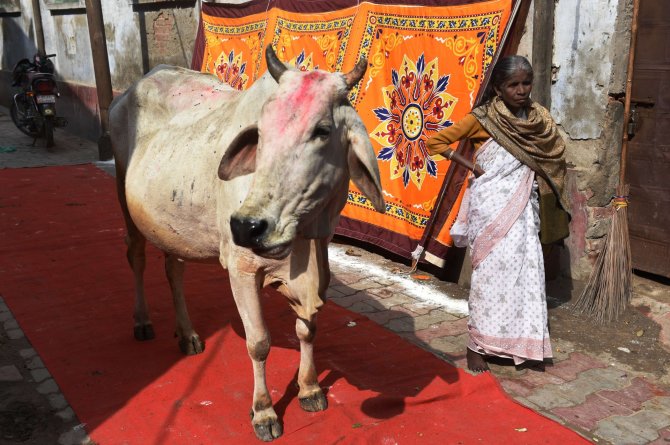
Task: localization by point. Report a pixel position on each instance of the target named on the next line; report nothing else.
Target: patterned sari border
(523, 348)
(503, 222)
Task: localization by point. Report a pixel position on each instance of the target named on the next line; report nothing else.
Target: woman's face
(515, 91)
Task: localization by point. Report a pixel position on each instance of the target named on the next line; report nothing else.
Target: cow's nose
(248, 232)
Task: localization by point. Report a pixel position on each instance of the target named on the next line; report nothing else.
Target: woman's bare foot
(476, 361)
(535, 365)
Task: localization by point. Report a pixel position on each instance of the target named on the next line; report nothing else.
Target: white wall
(583, 52)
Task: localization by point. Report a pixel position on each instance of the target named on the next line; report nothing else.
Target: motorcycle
(33, 109)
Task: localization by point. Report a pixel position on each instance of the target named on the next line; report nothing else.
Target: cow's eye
(321, 132)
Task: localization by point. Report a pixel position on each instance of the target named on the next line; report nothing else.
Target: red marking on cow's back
(185, 96)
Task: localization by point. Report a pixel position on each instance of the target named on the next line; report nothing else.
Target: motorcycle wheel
(18, 117)
(48, 131)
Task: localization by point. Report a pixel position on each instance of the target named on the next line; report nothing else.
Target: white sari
(499, 221)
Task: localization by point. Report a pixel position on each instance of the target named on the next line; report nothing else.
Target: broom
(608, 290)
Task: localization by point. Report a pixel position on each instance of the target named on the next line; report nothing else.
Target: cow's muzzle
(252, 233)
(248, 232)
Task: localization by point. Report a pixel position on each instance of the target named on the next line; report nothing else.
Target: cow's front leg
(246, 291)
(310, 395)
(189, 341)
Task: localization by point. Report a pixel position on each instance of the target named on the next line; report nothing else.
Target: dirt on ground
(632, 339)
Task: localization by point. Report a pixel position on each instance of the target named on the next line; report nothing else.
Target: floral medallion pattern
(416, 106)
(403, 99)
(230, 68)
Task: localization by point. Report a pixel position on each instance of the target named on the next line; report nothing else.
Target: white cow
(255, 180)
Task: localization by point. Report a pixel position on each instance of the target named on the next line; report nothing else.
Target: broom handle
(629, 88)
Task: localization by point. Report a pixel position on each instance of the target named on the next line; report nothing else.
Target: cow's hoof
(314, 402)
(144, 332)
(191, 345)
(268, 430)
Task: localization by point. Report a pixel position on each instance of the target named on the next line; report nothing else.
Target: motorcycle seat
(29, 77)
(33, 75)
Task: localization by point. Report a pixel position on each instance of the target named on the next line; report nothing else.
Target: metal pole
(543, 48)
(39, 31)
(103, 80)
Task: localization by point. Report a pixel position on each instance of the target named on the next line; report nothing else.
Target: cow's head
(308, 143)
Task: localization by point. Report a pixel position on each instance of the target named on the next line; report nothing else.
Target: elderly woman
(517, 204)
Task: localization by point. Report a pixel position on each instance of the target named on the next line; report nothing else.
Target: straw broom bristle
(608, 290)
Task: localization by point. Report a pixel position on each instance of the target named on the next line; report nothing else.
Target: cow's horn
(275, 66)
(353, 76)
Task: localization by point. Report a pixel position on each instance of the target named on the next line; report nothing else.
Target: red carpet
(63, 274)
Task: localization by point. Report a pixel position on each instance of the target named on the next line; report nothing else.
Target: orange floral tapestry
(426, 64)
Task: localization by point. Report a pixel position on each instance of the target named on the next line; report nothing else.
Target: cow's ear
(240, 157)
(363, 167)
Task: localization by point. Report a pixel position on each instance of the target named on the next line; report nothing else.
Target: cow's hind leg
(144, 329)
(189, 341)
(136, 256)
(311, 396)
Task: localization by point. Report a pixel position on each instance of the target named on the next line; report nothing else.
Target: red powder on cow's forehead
(301, 103)
(308, 84)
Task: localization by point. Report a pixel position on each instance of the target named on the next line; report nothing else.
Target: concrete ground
(611, 385)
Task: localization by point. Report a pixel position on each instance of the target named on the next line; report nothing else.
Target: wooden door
(648, 165)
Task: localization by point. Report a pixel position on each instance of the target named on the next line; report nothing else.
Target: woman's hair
(502, 71)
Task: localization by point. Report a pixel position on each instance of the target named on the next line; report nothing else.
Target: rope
(620, 202)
